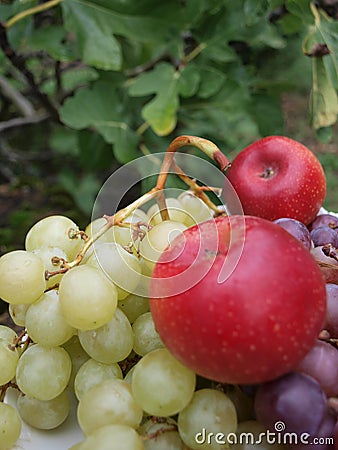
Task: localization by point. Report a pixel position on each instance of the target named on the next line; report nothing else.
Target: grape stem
(206, 146)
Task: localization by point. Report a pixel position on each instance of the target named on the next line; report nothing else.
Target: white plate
(62, 438)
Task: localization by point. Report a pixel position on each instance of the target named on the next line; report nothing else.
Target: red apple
(252, 325)
(278, 177)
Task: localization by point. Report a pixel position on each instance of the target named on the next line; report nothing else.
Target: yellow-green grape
(10, 426)
(161, 435)
(45, 323)
(121, 267)
(9, 357)
(158, 239)
(161, 384)
(125, 235)
(92, 229)
(92, 373)
(55, 231)
(43, 373)
(129, 375)
(18, 313)
(95, 226)
(251, 435)
(78, 446)
(195, 208)
(110, 343)
(209, 410)
(8, 334)
(22, 277)
(175, 210)
(133, 306)
(46, 254)
(87, 298)
(110, 402)
(78, 357)
(113, 437)
(146, 337)
(44, 415)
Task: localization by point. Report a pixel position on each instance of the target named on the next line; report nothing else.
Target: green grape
(8, 334)
(9, 357)
(161, 435)
(46, 254)
(55, 231)
(92, 373)
(95, 226)
(110, 343)
(45, 323)
(87, 298)
(44, 415)
(129, 375)
(146, 337)
(210, 411)
(43, 373)
(133, 306)
(161, 384)
(22, 277)
(248, 433)
(174, 208)
(78, 357)
(110, 402)
(195, 208)
(18, 313)
(122, 268)
(10, 426)
(113, 437)
(157, 239)
(124, 235)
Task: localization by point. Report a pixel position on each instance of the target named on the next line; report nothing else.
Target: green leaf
(211, 81)
(51, 39)
(97, 45)
(161, 111)
(188, 81)
(100, 107)
(324, 104)
(253, 10)
(301, 9)
(83, 190)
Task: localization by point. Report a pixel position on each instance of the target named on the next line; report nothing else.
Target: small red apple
(254, 324)
(278, 177)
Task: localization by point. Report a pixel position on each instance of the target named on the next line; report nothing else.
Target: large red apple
(251, 325)
(278, 177)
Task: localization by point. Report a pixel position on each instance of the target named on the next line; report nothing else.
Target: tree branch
(22, 104)
(19, 62)
(22, 121)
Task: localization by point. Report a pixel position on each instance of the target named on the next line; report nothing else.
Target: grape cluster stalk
(88, 337)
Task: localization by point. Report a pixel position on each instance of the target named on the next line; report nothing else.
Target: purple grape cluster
(304, 402)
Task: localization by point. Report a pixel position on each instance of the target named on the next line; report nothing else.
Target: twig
(23, 121)
(31, 11)
(21, 102)
(19, 62)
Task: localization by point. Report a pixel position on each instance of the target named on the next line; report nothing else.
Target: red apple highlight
(255, 325)
(278, 177)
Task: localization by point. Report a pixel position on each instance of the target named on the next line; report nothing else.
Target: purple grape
(325, 430)
(324, 220)
(295, 399)
(324, 235)
(330, 274)
(331, 324)
(321, 363)
(297, 229)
